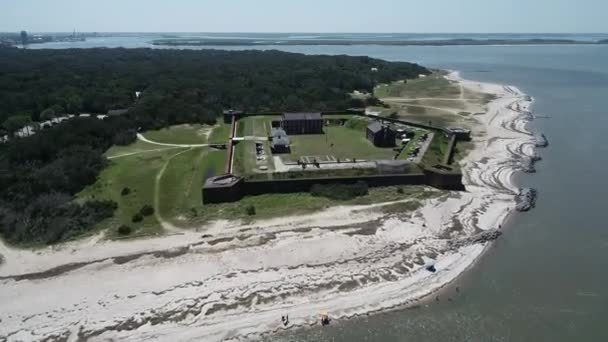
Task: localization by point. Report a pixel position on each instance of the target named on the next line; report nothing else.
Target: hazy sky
(305, 15)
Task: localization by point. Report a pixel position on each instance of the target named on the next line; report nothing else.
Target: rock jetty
(526, 199)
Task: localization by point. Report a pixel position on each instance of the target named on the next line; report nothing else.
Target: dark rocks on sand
(541, 140)
(483, 237)
(526, 199)
(529, 161)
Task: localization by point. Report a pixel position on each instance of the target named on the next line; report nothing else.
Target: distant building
(381, 135)
(279, 141)
(230, 113)
(302, 123)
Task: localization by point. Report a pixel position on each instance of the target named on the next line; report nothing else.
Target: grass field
(258, 126)
(219, 134)
(275, 205)
(172, 194)
(436, 151)
(182, 181)
(138, 173)
(181, 134)
(338, 141)
(434, 85)
(137, 147)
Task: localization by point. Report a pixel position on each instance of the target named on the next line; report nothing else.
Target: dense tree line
(183, 85)
(40, 174)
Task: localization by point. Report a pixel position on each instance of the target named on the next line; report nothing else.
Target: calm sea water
(546, 279)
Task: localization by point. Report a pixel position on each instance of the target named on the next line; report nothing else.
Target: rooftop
(375, 126)
(301, 116)
(221, 181)
(279, 137)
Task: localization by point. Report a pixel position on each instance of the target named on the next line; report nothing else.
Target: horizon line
(303, 32)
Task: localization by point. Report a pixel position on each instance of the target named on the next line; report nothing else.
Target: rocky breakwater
(526, 199)
(528, 162)
(541, 140)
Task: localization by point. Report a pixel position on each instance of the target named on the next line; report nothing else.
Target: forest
(40, 174)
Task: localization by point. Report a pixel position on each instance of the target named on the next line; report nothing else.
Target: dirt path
(144, 139)
(164, 224)
(140, 152)
(403, 102)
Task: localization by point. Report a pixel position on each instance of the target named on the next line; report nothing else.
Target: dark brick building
(381, 135)
(302, 123)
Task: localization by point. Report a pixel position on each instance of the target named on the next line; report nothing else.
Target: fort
(292, 152)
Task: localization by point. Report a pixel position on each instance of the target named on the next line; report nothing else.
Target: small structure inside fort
(279, 141)
(381, 135)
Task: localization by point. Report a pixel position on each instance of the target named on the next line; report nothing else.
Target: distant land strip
(445, 42)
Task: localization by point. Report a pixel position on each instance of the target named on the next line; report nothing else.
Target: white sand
(239, 288)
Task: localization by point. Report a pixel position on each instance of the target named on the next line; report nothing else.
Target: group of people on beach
(324, 319)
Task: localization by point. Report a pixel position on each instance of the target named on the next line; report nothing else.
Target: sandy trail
(404, 102)
(168, 226)
(144, 139)
(229, 281)
(140, 152)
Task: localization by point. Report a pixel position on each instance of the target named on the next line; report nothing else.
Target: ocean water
(546, 278)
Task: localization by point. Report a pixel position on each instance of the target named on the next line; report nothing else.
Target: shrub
(341, 192)
(394, 115)
(400, 190)
(125, 191)
(146, 210)
(250, 210)
(137, 218)
(125, 230)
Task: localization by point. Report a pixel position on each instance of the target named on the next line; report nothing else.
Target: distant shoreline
(347, 42)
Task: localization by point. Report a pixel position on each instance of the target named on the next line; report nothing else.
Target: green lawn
(276, 205)
(136, 147)
(220, 133)
(258, 126)
(179, 189)
(436, 151)
(434, 85)
(181, 134)
(338, 141)
(182, 181)
(138, 173)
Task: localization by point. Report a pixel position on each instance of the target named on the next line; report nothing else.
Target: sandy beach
(230, 281)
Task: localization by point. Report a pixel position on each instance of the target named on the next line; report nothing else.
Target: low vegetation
(341, 192)
(181, 134)
(434, 85)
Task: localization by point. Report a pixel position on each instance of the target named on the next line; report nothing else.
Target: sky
(408, 16)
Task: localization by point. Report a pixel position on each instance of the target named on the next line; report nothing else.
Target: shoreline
(238, 288)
